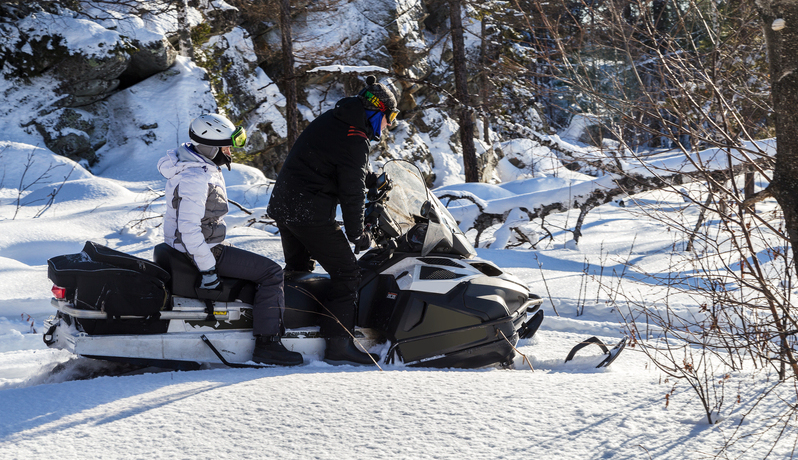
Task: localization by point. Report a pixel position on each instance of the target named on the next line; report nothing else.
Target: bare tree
(780, 19)
(461, 92)
(184, 30)
(287, 51)
(668, 74)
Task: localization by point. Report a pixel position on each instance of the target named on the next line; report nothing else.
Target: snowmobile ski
(611, 355)
(529, 328)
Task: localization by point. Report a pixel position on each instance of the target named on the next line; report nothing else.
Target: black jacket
(326, 166)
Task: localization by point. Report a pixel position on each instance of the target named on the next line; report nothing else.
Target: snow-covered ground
(542, 409)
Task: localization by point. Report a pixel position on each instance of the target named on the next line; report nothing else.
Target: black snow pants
(303, 245)
(269, 305)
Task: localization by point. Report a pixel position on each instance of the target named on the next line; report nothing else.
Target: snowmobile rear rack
(221, 311)
(611, 354)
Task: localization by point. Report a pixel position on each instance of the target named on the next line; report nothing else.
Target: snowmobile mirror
(428, 212)
(425, 209)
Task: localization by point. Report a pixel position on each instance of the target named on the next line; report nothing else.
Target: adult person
(196, 203)
(327, 166)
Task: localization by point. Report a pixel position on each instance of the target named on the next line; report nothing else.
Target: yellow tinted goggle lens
(239, 137)
(392, 116)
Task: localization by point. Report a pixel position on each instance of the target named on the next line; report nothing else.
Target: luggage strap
(209, 311)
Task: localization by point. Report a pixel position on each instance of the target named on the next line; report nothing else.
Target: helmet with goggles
(217, 131)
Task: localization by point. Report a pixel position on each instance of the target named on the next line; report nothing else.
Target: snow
(348, 69)
(239, 50)
(60, 406)
(78, 34)
(133, 153)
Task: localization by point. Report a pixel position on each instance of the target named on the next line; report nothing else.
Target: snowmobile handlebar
(379, 191)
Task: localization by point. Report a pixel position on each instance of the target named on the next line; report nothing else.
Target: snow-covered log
(473, 212)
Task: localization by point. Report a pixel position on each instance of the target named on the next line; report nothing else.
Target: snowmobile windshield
(406, 202)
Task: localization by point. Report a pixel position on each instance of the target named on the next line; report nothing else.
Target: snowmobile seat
(186, 279)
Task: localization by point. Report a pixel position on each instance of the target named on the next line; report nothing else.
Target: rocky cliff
(79, 56)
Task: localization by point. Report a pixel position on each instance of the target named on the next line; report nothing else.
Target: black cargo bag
(117, 291)
(100, 253)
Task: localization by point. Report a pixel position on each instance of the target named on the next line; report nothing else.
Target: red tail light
(59, 292)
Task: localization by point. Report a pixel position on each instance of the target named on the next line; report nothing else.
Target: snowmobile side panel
(103, 327)
(499, 352)
(168, 349)
(494, 296)
(425, 325)
(304, 296)
(377, 301)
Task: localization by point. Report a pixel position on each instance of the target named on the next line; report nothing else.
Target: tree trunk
(291, 112)
(749, 189)
(184, 30)
(783, 56)
(461, 93)
(484, 92)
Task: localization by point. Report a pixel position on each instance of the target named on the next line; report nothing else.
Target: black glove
(210, 280)
(362, 242)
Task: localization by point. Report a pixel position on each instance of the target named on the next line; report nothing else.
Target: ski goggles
(239, 137)
(391, 116)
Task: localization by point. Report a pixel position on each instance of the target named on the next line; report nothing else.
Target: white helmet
(212, 129)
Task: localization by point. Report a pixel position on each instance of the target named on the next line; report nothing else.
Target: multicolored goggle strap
(374, 100)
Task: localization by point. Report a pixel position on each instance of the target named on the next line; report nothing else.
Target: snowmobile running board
(611, 354)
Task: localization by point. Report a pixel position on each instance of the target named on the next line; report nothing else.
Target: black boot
(342, 350)
(269, 349)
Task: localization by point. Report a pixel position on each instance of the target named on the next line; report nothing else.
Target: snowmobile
(425, 299)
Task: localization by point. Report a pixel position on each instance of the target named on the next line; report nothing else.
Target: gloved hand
(363, 242)
(210, 280)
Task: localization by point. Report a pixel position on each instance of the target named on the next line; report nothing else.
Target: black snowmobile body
(423, 295)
